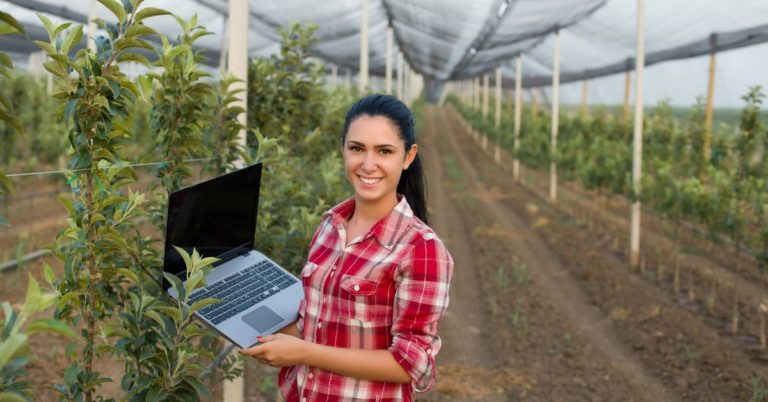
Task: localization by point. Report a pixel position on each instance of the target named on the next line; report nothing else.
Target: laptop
(218, 218)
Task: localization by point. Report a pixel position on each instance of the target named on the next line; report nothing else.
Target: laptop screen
(217, 217)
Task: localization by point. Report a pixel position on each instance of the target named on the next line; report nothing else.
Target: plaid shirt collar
(385, 230)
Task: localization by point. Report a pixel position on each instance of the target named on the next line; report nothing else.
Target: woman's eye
(355, 148)
(386, 151)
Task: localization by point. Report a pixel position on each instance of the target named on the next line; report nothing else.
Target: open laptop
(218, 218)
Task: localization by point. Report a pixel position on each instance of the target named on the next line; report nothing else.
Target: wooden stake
(555, 118)
(735, 316)
(497, 122)
(388, 58)
(637, 143)
(691, 293)
(362, 76)
(584, 92)
(710, 98)
(627, 86)
(518, 114)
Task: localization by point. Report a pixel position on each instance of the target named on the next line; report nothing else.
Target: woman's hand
(278, 350)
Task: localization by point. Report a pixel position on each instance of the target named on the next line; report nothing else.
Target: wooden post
(627, 84)
(518, 114)
(334, 75)
(486, 95)
(637, 149)
(400, 75)
(92, 25)
(497, 117)
(362, 76)
(555, 118)
(584, 93)
(390, 40)
(534, 105)
(224, 44)
(710, 97)
(237, 65)
(237, 62)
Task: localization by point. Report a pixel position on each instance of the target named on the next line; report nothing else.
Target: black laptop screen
(217, 217)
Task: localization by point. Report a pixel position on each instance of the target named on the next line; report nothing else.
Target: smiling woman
(377, 277)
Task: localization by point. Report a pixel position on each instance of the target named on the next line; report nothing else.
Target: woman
(377, 277)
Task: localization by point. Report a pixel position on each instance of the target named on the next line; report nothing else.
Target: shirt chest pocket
(363, 300)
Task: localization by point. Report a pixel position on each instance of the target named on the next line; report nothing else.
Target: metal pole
(518, 114)
(555, 118)
(497, 122)
(710, 97)
(362, 82)
(390, 45)
(637, 149)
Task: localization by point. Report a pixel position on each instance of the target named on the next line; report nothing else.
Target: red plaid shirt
(386, 290)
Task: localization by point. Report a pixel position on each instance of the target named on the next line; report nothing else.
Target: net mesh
(454, 40)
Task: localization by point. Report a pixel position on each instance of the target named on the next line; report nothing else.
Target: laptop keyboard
(242, 290)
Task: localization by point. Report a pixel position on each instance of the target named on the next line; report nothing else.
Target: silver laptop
(218, 218)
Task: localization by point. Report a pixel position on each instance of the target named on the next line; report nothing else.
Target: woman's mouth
(369, 180)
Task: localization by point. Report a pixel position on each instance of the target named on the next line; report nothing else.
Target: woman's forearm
(372, 365)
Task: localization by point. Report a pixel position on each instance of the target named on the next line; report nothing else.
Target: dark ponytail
(412, 184)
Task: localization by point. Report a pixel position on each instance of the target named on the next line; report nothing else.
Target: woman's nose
(369, 163)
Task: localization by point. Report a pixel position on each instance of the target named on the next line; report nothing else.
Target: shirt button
(429, 351)
(304, 399)
(311, 376)
(320, 324)
(357, 288)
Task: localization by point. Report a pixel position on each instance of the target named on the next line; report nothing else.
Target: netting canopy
(446, 40)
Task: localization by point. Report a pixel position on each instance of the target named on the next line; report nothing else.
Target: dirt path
(548, 271)
(466, 321)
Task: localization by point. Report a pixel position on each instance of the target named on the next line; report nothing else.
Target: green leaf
(199, 387)
(116, 9)
(5, 182)
(72, 38)
(139, 30)
(150, 12)
(48, 273)
(8, 397)
(200, 304)
(134, 57)
(47, 47)
(50, 325)
(156, 394)
(172, 312)
(8, 19)
(10, 346)
(185, 256)
(48, 25)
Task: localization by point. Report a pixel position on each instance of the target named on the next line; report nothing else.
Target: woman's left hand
(278, 350)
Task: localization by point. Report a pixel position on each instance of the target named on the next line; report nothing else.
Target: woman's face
(374, 158)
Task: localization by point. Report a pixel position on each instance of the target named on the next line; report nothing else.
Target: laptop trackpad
(262, 319)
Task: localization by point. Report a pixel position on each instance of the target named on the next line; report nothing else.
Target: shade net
(450, 40)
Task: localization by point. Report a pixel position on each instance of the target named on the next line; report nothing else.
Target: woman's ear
(410, 156)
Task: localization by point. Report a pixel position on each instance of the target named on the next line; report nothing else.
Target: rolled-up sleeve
(420, 302)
